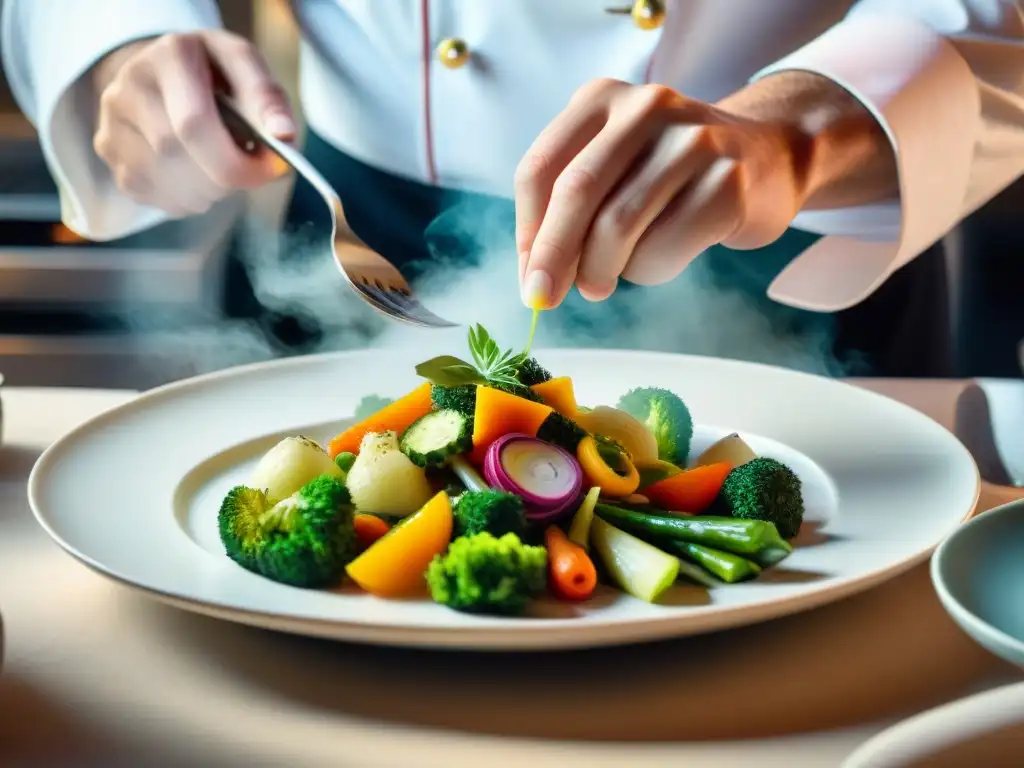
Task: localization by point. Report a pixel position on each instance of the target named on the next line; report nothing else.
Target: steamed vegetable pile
(489, 486)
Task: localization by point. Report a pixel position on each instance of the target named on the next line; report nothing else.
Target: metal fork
(374, 279)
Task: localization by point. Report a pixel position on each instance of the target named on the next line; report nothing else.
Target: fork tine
(400, 305)
(428, 318)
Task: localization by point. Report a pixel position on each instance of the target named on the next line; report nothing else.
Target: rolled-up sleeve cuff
(926, 98)
(47, 56)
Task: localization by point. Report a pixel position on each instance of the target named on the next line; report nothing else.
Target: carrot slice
(394, 417)
(498, 414)
(559, 394)
(692, 490)
(571, 572)
(369, 528)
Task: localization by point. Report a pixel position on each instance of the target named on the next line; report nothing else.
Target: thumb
(253, 87)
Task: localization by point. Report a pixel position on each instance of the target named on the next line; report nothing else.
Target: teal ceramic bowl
(978, 573)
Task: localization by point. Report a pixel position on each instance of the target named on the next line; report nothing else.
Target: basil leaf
(449, 371)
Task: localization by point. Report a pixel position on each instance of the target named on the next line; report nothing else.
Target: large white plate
(134, 494)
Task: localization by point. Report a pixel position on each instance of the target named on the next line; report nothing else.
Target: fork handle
(250, 138)
(241, 130)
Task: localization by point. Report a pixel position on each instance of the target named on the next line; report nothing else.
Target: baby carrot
(571, 572)
(369, 528)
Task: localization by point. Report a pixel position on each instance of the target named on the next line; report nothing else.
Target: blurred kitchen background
(133, 313)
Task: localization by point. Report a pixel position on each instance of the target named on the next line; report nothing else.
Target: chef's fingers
(704, 215)
(581, 188)
(186, 83)
(680, 155)
(547, 157)
(184, 184)
(252, 84)
(133, 166)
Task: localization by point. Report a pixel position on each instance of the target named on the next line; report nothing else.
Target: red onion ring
(507, 466)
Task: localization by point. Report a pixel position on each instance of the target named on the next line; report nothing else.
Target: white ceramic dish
(134, 493)
(986, 729)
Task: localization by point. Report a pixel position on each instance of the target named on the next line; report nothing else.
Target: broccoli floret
(305, 540)
(531, 372)
(462, 399)
(519, 391)
(484, 574)
(764, 489)
(493, 511)
(561, 431)
(239, 523)
(666, 416)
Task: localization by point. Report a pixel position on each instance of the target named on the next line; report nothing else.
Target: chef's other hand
(636, 181)
(158, 128)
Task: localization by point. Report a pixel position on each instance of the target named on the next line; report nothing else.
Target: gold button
(648, 14)
(453, 53)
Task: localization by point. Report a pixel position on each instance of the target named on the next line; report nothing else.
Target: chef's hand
(636, 181)
(158, 128)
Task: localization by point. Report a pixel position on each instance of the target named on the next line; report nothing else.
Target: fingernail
(537, 289)
(279, 124)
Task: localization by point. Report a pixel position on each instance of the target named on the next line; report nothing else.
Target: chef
(820, 148)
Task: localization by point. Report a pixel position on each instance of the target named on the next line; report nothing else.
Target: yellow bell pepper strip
(600, 474)
(395, 564)
(559, 394)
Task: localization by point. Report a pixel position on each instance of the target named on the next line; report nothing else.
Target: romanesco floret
(484, 574)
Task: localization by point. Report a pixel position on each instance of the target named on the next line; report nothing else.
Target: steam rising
(473, 278)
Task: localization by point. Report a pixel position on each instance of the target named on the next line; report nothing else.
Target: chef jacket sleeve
(945, 79)
(46, 47)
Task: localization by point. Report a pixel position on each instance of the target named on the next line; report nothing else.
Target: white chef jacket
(944, 77)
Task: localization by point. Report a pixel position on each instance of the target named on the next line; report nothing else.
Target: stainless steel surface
(131, 360)
(374, 279)
(181, 263)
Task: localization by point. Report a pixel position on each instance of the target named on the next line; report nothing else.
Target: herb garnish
(533, 332)
(491, 364)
